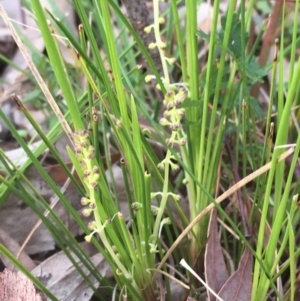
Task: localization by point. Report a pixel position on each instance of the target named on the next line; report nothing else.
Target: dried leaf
(216, 273)
(64, 281)
(14, 209)
(41, 240)
(14, 248)
(238, 287)
(21, 86)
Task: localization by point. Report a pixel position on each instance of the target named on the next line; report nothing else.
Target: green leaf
(254, 71)
(235, 38)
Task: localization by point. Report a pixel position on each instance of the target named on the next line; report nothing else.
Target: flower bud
(88, 238)
(96, 170)
(136, 206)
(163, 121)
(175, 126)
(87, 212)
(162, 45)
(92, 225)
(170, 60)
(161, 166)
(176, 197)
(148, 78)
(161, 20)
(169, 96)
(152, 46)
(174, 167)
(182, 142)
(147, 29)
(86, 173)
(92, 205)
(84, 201)
(170, 105)
(154, 210)
(166, 221)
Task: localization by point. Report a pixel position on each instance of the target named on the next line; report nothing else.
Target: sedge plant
(191, 117)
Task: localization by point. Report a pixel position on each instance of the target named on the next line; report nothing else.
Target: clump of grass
(198, 114)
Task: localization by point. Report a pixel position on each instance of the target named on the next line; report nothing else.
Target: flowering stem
(163, 199)
(160, 44)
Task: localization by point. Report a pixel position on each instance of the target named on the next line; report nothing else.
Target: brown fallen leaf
(14, 248)
(239, 285)
(15, 209)
(60, 276)
(216, 273)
